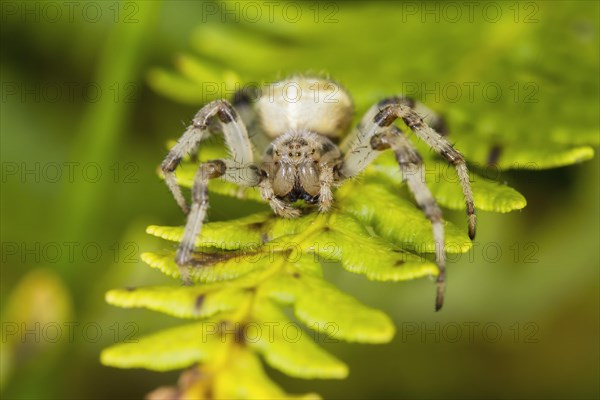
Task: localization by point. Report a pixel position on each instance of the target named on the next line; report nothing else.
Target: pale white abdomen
(304, 103)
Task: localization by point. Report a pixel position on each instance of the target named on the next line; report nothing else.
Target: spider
(301, 121)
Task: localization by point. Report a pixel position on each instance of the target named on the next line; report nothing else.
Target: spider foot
(472, 223)
(325, 201)
(186, 209)
(441, 288)
(289, 212)
(325, 206)
(184, 273)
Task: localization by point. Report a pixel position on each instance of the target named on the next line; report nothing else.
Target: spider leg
(326, 180)
(279, 206)
(378, 118)
(236, 137)
(376, 133)
(246, 175)
(411, 165)
(433, 119)
(239, 169)
(329, 160)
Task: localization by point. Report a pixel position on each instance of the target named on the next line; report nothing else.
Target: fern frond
(265, 273)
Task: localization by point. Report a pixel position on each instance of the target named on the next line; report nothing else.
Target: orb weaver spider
(303, 119)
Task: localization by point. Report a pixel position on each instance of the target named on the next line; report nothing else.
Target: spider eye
(290, 154)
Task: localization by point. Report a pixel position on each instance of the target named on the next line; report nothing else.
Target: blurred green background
(82, 131)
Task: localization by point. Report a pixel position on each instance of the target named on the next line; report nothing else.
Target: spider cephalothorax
(297, 124)
(297, 165)
(293, 164)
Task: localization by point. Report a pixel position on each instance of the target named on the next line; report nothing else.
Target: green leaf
(209, 267)
(175, 87)
(488, 195)
(286, 347)
(400, 221)
(207, 76)
(526, 154)
(245, 379)
(325, 309)
(332, 237)
(239, 234)
(168, 349)
(183, 302)
(443, 182)
(564, 135)
(345, 240)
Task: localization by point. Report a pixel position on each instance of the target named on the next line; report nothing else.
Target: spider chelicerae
(298, 124)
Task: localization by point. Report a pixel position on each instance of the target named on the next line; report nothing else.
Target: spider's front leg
(411, 165)
(246, 175)
(326, 181)
(386, 116)
(376, 133)
(239, 169)
(279, 206)
(205, 172)
(235, 133)
(329, 159)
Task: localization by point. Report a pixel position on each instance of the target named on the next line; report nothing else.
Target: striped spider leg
(238, 169)
(377, 133)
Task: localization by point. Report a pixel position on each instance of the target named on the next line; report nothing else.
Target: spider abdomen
(303, 103)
